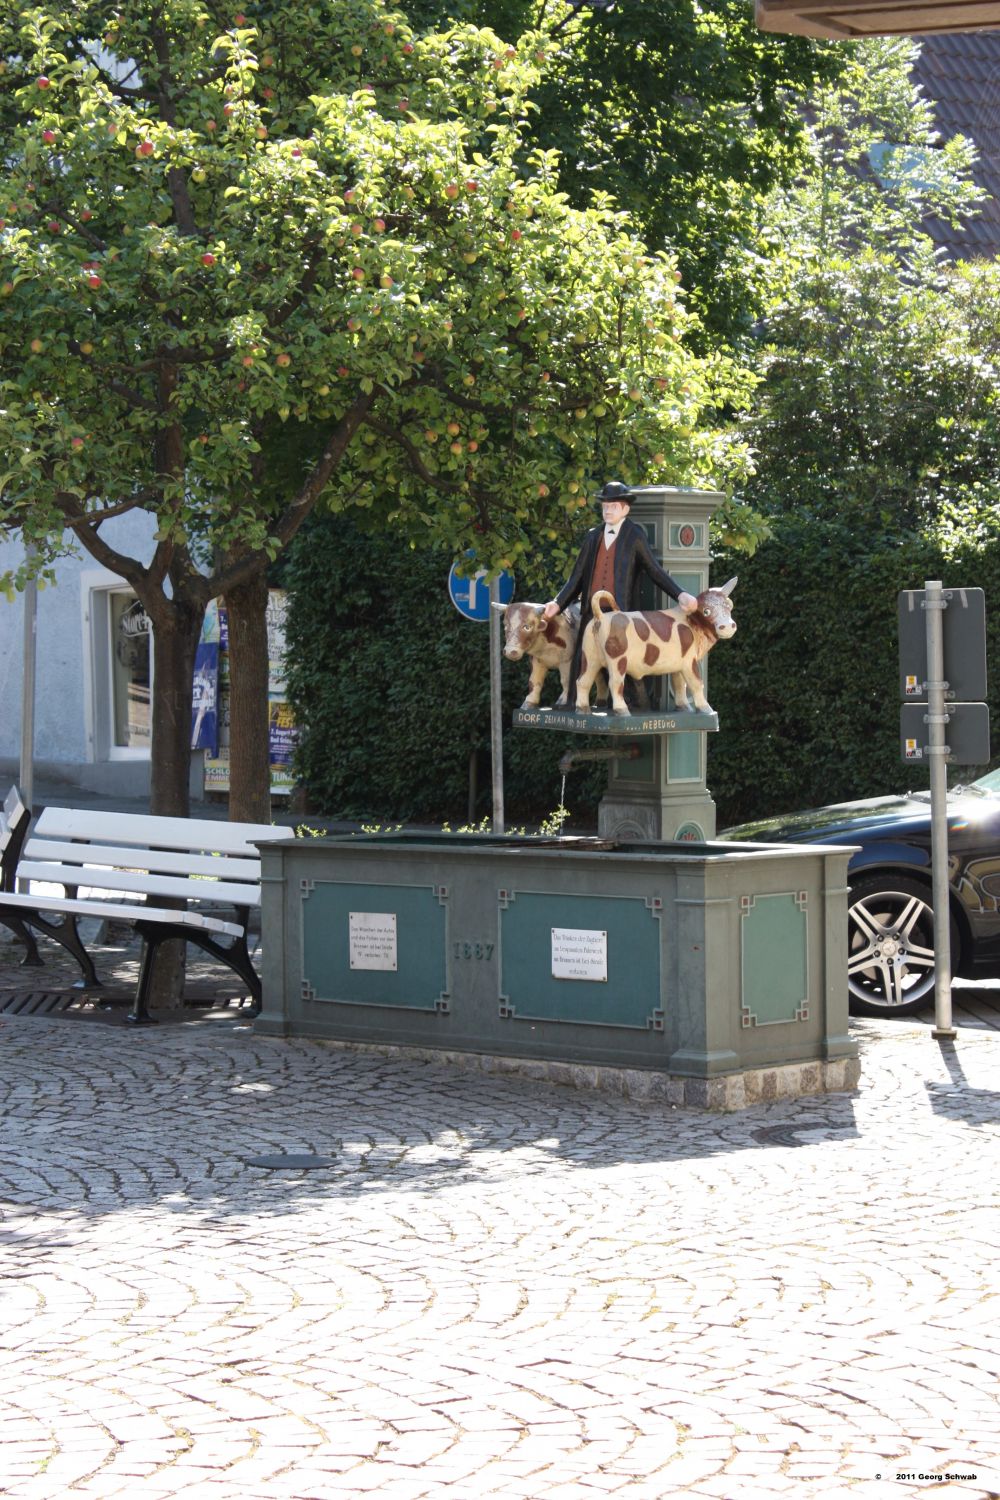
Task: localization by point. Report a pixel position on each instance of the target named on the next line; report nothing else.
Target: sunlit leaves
(217, 245)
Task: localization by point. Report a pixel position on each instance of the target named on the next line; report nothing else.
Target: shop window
(130, 636)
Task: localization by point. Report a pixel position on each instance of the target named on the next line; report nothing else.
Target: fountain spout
(572, 757)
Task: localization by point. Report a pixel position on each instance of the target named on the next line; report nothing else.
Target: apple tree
(256, 261)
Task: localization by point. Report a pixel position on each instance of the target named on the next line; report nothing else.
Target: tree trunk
(249, 757)
(176, 631)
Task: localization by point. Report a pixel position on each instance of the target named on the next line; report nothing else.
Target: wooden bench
(157, 874)
(14, 820)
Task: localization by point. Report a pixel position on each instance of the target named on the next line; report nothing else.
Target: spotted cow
(549, 643)
(653, 643)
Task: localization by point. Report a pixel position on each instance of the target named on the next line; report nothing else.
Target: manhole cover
(290, 1161)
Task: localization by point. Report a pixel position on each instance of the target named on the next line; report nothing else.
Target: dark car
(890, 914)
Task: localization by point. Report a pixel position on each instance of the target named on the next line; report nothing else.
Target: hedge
(392, 688)
(807, 692)
(392, 685)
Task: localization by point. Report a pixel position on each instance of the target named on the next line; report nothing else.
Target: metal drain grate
(59, 1002)
(36, 1002)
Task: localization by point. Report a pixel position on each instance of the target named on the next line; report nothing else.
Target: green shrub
(807, 691)
(392, 689)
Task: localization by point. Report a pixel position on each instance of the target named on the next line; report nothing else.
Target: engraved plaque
(579, 953)
(372, 939)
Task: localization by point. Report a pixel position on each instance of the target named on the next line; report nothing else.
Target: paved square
(494, 1287)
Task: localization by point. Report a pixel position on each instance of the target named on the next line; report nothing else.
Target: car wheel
(890, 945)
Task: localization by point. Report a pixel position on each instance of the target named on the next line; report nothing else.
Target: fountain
(653, 959)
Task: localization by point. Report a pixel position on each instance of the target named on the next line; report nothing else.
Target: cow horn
(727, 588)
(501, 607)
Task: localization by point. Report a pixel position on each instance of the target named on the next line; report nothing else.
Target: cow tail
(600, 598)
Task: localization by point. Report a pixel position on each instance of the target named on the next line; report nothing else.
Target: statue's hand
(688, 603)
(550, 611)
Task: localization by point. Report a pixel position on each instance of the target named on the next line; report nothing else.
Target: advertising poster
(281, 727)
(205, 696)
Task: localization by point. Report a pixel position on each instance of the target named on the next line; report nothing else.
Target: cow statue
(549, 643)
(653, 643)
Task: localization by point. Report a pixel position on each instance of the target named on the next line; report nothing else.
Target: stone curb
(725, 1094)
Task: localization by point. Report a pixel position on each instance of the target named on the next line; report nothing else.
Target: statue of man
(614, 556)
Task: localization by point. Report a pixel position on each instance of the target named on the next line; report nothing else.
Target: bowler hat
(614, 490)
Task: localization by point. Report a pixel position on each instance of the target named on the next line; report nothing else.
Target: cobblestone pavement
(493, 1287)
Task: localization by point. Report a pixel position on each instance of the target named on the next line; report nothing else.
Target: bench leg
(237, 957)
(65, 934)
(139, 1014)
(32, 958)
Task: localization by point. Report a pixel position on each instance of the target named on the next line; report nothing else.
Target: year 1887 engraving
(472, 950)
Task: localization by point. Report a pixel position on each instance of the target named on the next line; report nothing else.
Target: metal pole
(937, 749)
(496, 723)
(26, 776)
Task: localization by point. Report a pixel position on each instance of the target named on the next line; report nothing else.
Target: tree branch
(316, 258)
(98, 517)
(446, 486)
(113, 85)
(181, 198)
(297, 511)
(116, 562)
(130, 397)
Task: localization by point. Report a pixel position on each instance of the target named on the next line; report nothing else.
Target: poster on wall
(281, 737)
(205, 697)
(281, 724)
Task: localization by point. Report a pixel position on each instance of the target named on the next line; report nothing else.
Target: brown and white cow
(549, 643)
(653, 643)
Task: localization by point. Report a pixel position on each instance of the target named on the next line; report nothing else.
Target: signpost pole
(496, 722)
(26, 771)
(937, 718)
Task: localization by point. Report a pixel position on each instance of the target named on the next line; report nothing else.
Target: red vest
(604, 568)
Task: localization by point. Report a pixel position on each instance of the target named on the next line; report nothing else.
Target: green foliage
(392, 688)
(879, 400)
(874, 171)
(684, 111)
(807, 692)
(876, 434)
(327, 223)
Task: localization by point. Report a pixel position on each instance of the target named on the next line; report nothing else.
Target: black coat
(633, 558)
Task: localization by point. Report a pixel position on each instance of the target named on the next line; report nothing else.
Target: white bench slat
(169, 861)
(106, 879)
(13, 812)
(138, 829)
(117, 911)
(13, 804)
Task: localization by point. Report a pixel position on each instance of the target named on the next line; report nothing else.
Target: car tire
(890, 945)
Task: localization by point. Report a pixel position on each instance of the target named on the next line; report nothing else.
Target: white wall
(62, 650)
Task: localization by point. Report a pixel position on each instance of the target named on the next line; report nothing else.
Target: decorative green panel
(684, 757)
(775, 958)
(687, 536)
(691, 582)
(630, 996)
(641, 769)
(418, 947)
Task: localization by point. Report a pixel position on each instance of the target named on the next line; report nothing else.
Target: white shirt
(610, 532)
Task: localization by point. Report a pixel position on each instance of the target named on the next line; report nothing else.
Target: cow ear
(501, 607)
(727, 588)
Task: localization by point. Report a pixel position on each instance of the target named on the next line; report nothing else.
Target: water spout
(572, 757)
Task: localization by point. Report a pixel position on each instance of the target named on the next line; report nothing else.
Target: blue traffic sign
(471, 596)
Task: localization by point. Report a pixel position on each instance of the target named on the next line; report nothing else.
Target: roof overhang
(846, 20)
